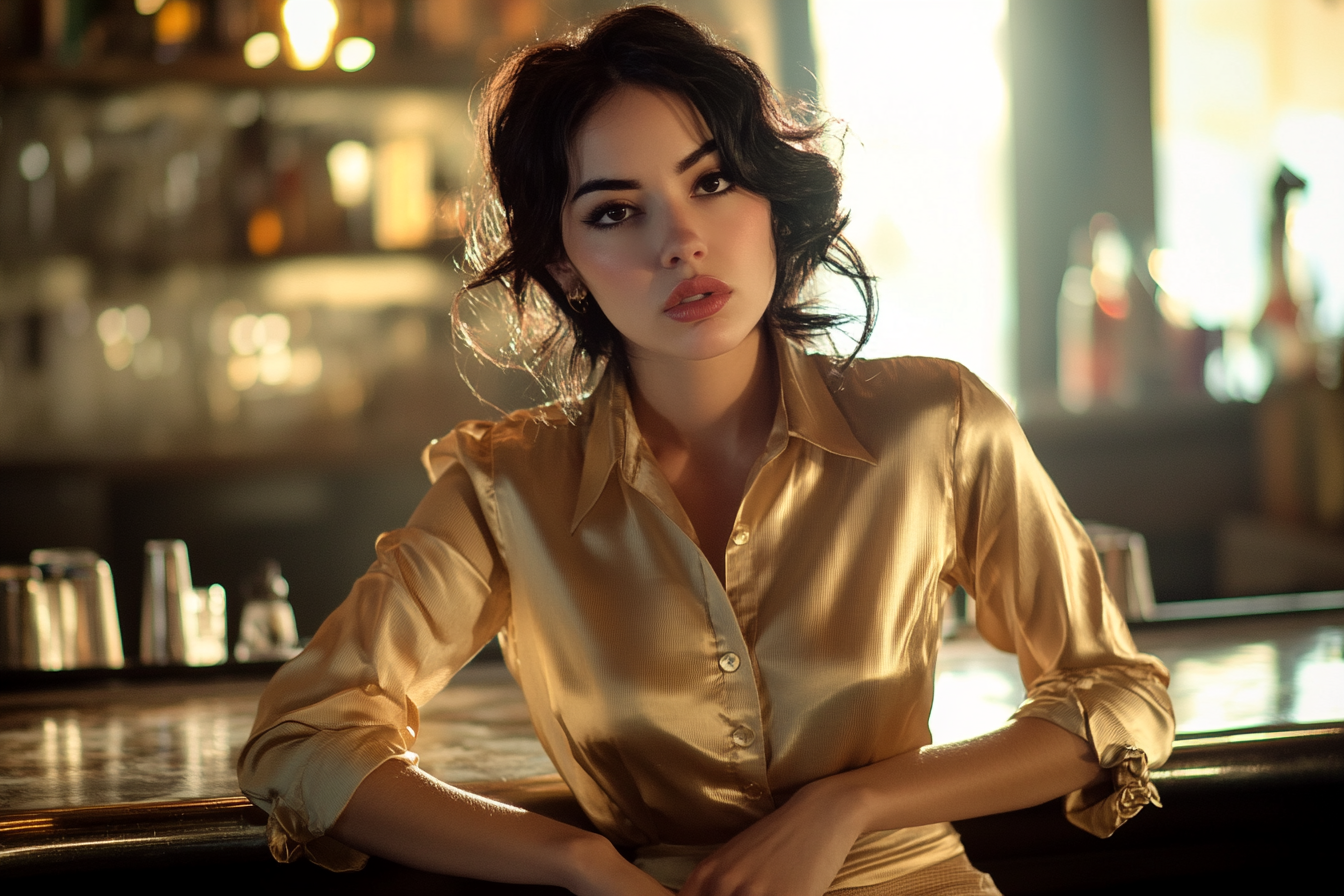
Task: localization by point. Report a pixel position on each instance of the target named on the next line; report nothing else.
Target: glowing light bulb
(261, 49)
(353, 53)
(309, 25)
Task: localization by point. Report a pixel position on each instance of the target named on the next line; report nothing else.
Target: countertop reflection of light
(353, 53)
(261, 49)
(309, 25)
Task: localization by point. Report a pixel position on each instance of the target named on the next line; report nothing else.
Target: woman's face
(681, 260)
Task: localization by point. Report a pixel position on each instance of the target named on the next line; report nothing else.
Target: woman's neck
(720, 407)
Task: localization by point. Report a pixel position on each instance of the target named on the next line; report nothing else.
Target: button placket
(741, 700)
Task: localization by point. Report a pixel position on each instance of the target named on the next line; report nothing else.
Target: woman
(719, 577)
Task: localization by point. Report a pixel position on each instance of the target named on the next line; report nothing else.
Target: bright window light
(926, 166)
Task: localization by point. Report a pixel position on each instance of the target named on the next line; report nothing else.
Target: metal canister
(31, 640)
(83, 607)
(1124, 563)
(163, 635)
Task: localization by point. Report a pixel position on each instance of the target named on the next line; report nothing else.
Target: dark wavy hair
(531, 112)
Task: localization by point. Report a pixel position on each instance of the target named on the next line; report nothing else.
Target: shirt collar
(810, 413)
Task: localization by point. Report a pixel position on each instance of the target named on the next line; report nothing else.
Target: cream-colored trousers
(954, 877)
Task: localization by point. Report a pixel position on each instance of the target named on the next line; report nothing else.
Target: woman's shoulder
(911, 378)
(531, 432)
(883, 398)
(893, 383)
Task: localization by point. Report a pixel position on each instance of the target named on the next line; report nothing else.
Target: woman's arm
(797, 849)
(401, 813)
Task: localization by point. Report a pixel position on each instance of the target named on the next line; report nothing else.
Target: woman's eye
(608, 215)
(713, 183)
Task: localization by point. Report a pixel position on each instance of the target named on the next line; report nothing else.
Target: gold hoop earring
(578, 299)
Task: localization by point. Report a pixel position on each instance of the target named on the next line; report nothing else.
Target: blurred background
(230, 231)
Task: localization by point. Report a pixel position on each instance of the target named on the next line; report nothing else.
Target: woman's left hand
(794, 851)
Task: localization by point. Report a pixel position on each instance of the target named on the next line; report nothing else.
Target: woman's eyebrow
(608, 183)
(704, 149)
(603, 183)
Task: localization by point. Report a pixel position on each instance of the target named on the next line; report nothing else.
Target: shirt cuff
(326, 774)
(290, 841)
(1124, 713)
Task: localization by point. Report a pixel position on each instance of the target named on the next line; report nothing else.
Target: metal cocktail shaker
(82, 607)
(31, 639)
(179, 625)
(167, 584)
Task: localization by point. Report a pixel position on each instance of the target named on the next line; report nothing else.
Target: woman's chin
(707, 342)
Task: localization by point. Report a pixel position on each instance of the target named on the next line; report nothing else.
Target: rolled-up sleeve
(1039, 593)
(436, 593)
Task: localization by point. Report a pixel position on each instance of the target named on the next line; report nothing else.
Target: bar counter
(133, 774)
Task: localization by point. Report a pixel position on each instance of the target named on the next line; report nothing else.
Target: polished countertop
(99, 771)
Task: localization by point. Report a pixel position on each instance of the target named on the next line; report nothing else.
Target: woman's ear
(566, 276)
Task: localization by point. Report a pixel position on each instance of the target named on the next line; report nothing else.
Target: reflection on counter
(156, 742)
(1244, 672)
(140, 743)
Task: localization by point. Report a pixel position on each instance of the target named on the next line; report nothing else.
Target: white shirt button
(729, 662)
(741, 536)
(743, 736)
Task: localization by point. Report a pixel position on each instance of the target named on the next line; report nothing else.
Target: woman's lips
(696, 299)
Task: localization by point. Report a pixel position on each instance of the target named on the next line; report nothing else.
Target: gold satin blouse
(678, 709)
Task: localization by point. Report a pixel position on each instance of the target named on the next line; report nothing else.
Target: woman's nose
(684, 240)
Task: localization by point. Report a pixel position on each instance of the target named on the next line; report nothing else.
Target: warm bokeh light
(243, 334)
(148, 7)
(309, 26)
(274, 365)
(265, 232)
(34, 161)
(118, 355)
(242, 372)
(353, 53)
(272, 332)
(350, 166)
(305, 368)
(176, 22)
(137, 323)
(261, 49)
(403, 212)
(111, 326)
(368, 282)
(258, 351)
